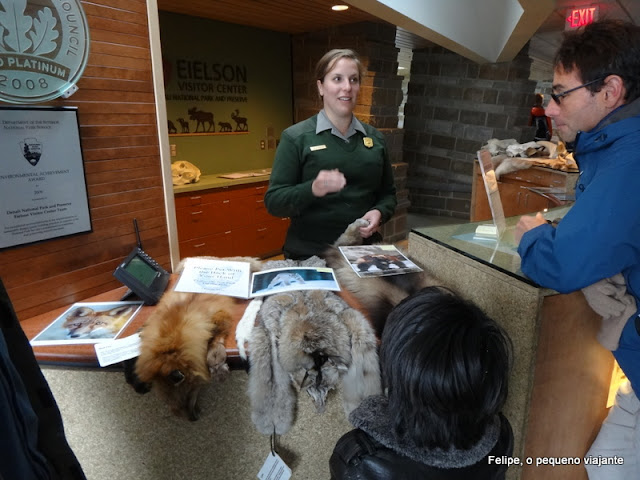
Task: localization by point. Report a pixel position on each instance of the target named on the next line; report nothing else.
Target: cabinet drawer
(219, 245)
(242, 211)
(260, 213)
(218, 194)
(200, 198)
(270, 236)
(202, 220)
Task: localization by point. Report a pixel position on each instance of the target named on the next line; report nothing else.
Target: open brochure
(378, 260)
(88, 322)
(234, 279)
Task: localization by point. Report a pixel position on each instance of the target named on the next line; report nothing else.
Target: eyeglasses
(558, 96)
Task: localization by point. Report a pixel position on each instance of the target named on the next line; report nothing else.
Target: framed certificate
(43, 191)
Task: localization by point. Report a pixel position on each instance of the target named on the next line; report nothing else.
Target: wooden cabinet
(516, 198)
(228, 221)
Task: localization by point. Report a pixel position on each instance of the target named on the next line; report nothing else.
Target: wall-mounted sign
(578, 17)
(43, 193)
(204, 96)
(44, 46)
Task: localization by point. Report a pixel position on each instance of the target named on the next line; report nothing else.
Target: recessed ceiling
(290, 16)
(299, 16)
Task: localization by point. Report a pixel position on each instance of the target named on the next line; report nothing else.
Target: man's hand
(526, 223)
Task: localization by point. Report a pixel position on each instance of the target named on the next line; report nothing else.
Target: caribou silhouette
(241, 122)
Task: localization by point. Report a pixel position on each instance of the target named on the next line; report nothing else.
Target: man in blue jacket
(596, 109)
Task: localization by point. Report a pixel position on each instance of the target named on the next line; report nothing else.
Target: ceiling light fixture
(340, 8)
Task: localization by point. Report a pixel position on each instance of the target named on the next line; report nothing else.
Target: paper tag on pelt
(118, 350)
(274, 468)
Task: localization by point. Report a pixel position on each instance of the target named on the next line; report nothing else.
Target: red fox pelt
(182, 347)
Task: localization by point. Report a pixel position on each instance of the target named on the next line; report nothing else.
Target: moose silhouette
(241, 122)
(172, 127)
(184, 125)
(224, 127)
(202, 118)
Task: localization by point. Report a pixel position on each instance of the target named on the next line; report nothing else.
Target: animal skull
(183, 172)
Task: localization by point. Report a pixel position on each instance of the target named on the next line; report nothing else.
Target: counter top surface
(501, 255)
(84, 355)
(217, 181)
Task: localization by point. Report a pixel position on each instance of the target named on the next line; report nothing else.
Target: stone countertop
(207, 182)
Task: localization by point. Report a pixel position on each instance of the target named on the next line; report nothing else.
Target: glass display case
(500, 254)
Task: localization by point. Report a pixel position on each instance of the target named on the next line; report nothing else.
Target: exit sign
(579, 17)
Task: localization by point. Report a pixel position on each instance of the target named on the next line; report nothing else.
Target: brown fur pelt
(182, 347)
(377, 295)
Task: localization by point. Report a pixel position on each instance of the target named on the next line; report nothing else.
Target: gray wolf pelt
(377, 295)
(313, 341)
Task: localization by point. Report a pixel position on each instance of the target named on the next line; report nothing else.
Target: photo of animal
(202, 119)
(172, 127)
(182, 348)
(184, 125)
(241, 122)
(377, 294)
(380, 261)
(85, 322)
(286, 279)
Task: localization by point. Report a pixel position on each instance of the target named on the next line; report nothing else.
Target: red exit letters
(581, 16)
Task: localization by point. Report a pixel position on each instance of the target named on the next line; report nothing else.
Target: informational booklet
(88, 322)
(234, 279)
(378, 260)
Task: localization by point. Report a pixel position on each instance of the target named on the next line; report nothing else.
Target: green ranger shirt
(310, 146)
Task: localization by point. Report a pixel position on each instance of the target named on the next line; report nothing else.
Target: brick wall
(453, 107)
(380, 93)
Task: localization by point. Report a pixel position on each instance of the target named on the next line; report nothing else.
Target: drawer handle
(196, 213)
(260, 201)
(226, 201)
(227, 232)
(262, 229)
(199, 245)
(195, 198)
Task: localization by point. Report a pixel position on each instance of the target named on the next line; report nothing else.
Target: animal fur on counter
(308, 340)
(509, 156)
(377, 295)
(182, 346)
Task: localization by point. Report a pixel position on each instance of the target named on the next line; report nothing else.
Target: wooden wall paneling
(117, 115)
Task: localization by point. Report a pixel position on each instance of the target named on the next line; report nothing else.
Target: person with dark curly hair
(445, 367)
